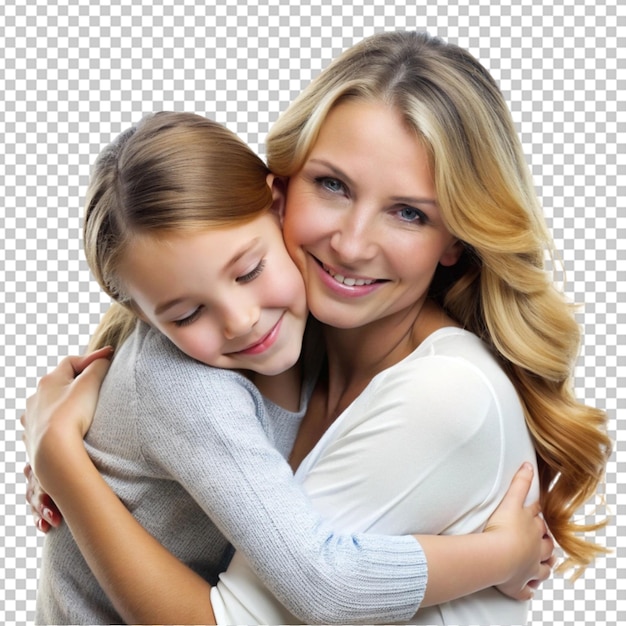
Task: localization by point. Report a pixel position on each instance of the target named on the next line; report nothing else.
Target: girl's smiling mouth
(265, 342)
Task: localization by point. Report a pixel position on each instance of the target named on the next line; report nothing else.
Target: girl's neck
(282, 389)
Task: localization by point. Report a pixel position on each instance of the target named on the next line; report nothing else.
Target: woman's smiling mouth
(347, 280)
(351, 286)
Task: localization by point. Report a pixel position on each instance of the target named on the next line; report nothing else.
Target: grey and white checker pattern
(74, 73)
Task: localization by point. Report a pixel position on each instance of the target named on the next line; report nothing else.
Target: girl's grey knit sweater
(198, 456)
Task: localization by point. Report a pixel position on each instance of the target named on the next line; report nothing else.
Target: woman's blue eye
(255, 273)
(330, 184)
(411, 214)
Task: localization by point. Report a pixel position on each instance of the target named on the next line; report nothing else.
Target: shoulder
(454, 357)
(158, 358)
(453, 381)
(446, 359)
(163, 375)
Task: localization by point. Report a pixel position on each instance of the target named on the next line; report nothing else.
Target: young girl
(182, 228)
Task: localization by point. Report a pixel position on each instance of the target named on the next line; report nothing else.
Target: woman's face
(361, 219)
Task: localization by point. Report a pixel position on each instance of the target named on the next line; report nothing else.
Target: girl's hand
(64, 404)
(524, 536)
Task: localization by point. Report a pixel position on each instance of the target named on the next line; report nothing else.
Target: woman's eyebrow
(333, 169)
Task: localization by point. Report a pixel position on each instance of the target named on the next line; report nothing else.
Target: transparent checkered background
(73, 74)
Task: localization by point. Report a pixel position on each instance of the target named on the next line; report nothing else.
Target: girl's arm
(145, 582)
(134, 584)
(496, 557)
(148, 585)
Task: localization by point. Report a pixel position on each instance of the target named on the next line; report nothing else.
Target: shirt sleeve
(205, 433)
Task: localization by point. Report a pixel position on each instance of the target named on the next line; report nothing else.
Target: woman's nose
(355, 237)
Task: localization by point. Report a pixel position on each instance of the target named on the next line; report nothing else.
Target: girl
(182, 228)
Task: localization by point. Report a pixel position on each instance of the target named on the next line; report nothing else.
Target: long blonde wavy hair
(173, 172)
(500, 289)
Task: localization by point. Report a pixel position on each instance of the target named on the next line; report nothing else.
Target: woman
(472, 216)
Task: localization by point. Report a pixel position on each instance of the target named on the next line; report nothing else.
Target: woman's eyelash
(246, 278)
(329, 183)
(411, 214)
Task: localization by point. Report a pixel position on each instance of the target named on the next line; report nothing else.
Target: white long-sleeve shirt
(430, 446)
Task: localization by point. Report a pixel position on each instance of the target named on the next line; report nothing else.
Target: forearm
(459, 565)
(144, 581)
(513, 552)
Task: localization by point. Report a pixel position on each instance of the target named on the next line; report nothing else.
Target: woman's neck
(358, 354)
(354, 357)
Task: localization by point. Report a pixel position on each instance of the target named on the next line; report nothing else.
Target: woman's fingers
(547, 550)
(81, 363)
(44, 510)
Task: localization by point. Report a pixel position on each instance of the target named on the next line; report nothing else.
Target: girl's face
(229, 297)
(361, 219)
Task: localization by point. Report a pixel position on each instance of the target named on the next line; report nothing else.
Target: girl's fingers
(520, 485)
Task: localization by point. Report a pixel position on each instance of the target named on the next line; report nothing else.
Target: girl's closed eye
(189, 319)
(254, 273)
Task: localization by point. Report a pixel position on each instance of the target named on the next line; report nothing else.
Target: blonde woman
(412, 217)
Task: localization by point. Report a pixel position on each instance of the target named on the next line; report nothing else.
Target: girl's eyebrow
(161, 308)
(245, 249)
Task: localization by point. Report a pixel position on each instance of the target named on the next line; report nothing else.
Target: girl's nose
(240, 319)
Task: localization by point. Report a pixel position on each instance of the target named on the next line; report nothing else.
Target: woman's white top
(429, 447)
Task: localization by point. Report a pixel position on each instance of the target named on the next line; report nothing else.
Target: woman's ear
(278, 185)
(452, 254)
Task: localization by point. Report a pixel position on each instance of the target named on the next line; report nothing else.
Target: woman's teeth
(351, 282)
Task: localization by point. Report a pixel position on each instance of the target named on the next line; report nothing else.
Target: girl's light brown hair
(173, 172)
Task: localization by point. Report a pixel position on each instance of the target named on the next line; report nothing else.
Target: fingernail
(528, 467)
(47, 514)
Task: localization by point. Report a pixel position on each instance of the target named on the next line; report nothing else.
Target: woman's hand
(64, 404)
(524, 536)
(45, 512)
